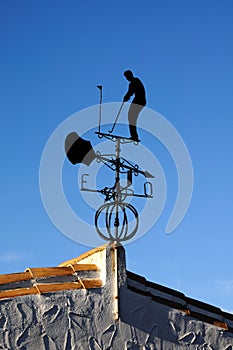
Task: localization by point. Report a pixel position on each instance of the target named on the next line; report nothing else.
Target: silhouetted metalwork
(112, 218)
(116, 220)
(117, 116)
(100, 87)
(78, 150)
(137, 89)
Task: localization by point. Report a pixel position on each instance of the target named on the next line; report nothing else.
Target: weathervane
(116, 220)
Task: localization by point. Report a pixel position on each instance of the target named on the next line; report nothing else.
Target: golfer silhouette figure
(137, 89)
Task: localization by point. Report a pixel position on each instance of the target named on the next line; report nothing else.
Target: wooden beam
(38, 272)
(84, 267)
(12, 293)
(55, 287)
(15, 277)
(220, 324)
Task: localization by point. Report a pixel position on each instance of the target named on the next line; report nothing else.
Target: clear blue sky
(53, 54)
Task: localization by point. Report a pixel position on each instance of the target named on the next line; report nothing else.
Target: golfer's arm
(129, 93)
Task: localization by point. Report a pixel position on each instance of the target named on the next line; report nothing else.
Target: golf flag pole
(100, 87)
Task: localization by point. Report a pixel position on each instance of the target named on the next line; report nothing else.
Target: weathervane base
(112, 137)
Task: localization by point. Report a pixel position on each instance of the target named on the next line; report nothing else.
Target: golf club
(110, 131)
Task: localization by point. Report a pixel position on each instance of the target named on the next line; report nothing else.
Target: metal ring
(121, 230)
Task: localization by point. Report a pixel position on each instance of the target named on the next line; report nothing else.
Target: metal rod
(100, 87)
(125, 166)
(117, 183)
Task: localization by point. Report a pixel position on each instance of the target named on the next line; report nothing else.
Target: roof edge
(83, 256)
(172, 298)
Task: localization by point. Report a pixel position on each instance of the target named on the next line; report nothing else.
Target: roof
(49, 279)
(84, 272)
(91, 269)
(177, 300)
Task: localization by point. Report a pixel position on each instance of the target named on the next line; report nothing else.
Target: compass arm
(107, 161)
(124, 164)
(109, 192)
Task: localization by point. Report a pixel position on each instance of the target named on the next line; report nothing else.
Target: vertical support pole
(116, 224)
(117, 183)
(115, 284)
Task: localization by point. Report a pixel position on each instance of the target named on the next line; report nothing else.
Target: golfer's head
(128, 74)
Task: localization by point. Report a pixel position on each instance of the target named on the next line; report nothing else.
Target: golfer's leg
(133, 114)
(132, 117)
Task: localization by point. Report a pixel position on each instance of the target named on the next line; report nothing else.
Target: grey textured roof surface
(172, 298)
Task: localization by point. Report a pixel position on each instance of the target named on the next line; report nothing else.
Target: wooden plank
(51, 287)
(220, 324)
(84, 267)
(186, 311)
(12, 293)
(55, 287)
(92, 283)
(45, 272)
(15, 277)
(38, 272)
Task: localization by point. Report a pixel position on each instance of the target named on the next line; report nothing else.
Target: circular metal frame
(117, 230)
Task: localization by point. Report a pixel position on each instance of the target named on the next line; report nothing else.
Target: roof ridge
(83, 256)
